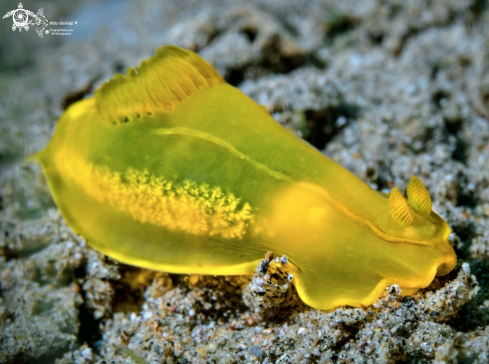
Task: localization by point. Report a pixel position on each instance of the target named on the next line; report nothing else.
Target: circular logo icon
(47, 31)
(21, 18)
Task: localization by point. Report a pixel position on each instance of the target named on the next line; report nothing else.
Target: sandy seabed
(387, 89)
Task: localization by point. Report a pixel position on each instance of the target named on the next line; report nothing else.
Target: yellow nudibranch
(172, 169)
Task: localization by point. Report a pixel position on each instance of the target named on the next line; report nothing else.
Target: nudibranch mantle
(170, 168)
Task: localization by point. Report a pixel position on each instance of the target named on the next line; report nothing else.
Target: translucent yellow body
(170, 168)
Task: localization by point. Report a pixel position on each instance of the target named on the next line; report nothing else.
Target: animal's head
(414, 220)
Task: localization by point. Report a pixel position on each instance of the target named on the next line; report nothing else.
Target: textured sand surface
(388, 89)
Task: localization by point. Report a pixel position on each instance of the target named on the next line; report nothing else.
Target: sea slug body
(170, 168)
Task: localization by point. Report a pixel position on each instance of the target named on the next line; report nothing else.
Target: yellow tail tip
(36, 157)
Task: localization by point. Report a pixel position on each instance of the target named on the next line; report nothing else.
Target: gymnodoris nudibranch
(172, 169)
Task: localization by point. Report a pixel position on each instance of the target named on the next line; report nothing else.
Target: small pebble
(86, 353)
(256, 351)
